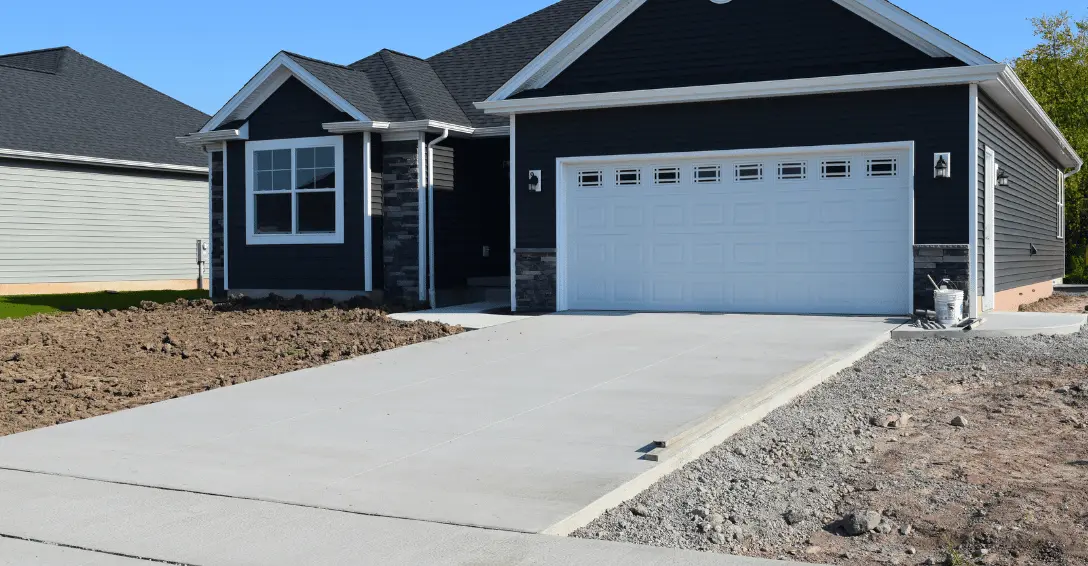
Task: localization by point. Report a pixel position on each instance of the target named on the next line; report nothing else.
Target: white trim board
(87, 160)
(562, 303)
(608, 14)
(404, 131)
(266, 81)
(972, 191)
(998, 81)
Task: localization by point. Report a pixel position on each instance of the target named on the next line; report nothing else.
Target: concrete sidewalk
(127, 524)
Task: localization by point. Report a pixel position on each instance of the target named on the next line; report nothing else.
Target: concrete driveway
(519, 427)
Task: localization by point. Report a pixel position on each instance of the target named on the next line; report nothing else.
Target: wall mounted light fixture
(942, 165)
(534, 181)
(1002, 178)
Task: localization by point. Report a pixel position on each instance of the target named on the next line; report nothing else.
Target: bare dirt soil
(926, 452)
(60, 368)
(1059, 302)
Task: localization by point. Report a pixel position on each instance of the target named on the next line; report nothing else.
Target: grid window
(667, 175)
(882, 167)
(835, 169)
(708, 173)
(294, 191)
(590, 178)
(629, 176)
(792, 171)
(748, 172)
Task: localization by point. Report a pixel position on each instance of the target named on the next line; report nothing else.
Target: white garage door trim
(562, 164)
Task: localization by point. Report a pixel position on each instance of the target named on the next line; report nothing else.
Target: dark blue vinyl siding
(1026, 211)
(676, 43)
(295, 111)
(936, 119)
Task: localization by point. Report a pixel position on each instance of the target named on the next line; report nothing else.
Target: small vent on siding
(835, 169)
(628, 176)
(666, 175)
(748, 172)
(882, 167)
(792, 171)
(590, 178)
(708, 173)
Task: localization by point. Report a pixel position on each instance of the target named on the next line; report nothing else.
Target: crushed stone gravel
(868, 469)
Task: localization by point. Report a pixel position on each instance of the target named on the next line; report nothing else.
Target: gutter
(430, 214)
(102, 161)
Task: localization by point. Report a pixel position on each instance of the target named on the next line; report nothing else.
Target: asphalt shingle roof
(393, 87)
(474, 70)
(61, 101)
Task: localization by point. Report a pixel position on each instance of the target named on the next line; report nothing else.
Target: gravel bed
(933, 451)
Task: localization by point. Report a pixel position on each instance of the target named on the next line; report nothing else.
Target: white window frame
(1061, 205)
(255, 239)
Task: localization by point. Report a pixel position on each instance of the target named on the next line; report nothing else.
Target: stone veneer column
(400, 231)
(535, 279)
(940, 261)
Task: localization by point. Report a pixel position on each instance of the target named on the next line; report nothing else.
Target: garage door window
(837, 169)
(792, 171)
(708, 173)
(748, 172)
(882, 167)
(629, 177)
(590, 178)
(667, 175)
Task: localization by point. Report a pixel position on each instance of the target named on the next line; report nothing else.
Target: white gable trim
(608, 14)
(265, 82)
(907, 27)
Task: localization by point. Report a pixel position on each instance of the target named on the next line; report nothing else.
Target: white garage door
(801, 232)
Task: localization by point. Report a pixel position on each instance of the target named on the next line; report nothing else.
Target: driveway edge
(753, 409)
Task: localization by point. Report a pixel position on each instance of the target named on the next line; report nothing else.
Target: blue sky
(203, 52)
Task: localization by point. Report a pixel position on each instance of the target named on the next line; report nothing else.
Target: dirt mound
(1059, 302)
(60, 368)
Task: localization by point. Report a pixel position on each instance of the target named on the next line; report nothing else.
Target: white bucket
(949, 306)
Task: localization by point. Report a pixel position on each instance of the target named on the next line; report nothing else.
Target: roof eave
(429, 126)
(99, 161)
(997, 80)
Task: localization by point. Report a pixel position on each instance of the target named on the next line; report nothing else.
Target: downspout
(430, 214)
(1075, 171)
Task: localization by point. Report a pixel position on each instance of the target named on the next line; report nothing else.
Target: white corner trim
(708, 93)
(86, 160)
(602, 19)
(513, 215)
(972, 191)
(421, 215)
(337, 237)
(368, 215)
(275, 73)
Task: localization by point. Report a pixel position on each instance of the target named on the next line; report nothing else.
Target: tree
(1056, 73)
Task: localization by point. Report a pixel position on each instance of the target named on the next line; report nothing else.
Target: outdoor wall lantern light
(1002, 179)
(942, 165)
(534, 181)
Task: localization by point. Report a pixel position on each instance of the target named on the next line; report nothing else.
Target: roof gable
(680, 43)
(607, 15)
(58, 103)
(475, 69)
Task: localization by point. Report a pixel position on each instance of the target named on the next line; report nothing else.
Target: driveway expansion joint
(96, 550)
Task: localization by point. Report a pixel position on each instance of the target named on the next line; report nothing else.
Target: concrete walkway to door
(515, 428)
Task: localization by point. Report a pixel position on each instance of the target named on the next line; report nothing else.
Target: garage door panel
(789, 240)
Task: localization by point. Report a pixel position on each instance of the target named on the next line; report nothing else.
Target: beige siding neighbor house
(95, 192)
